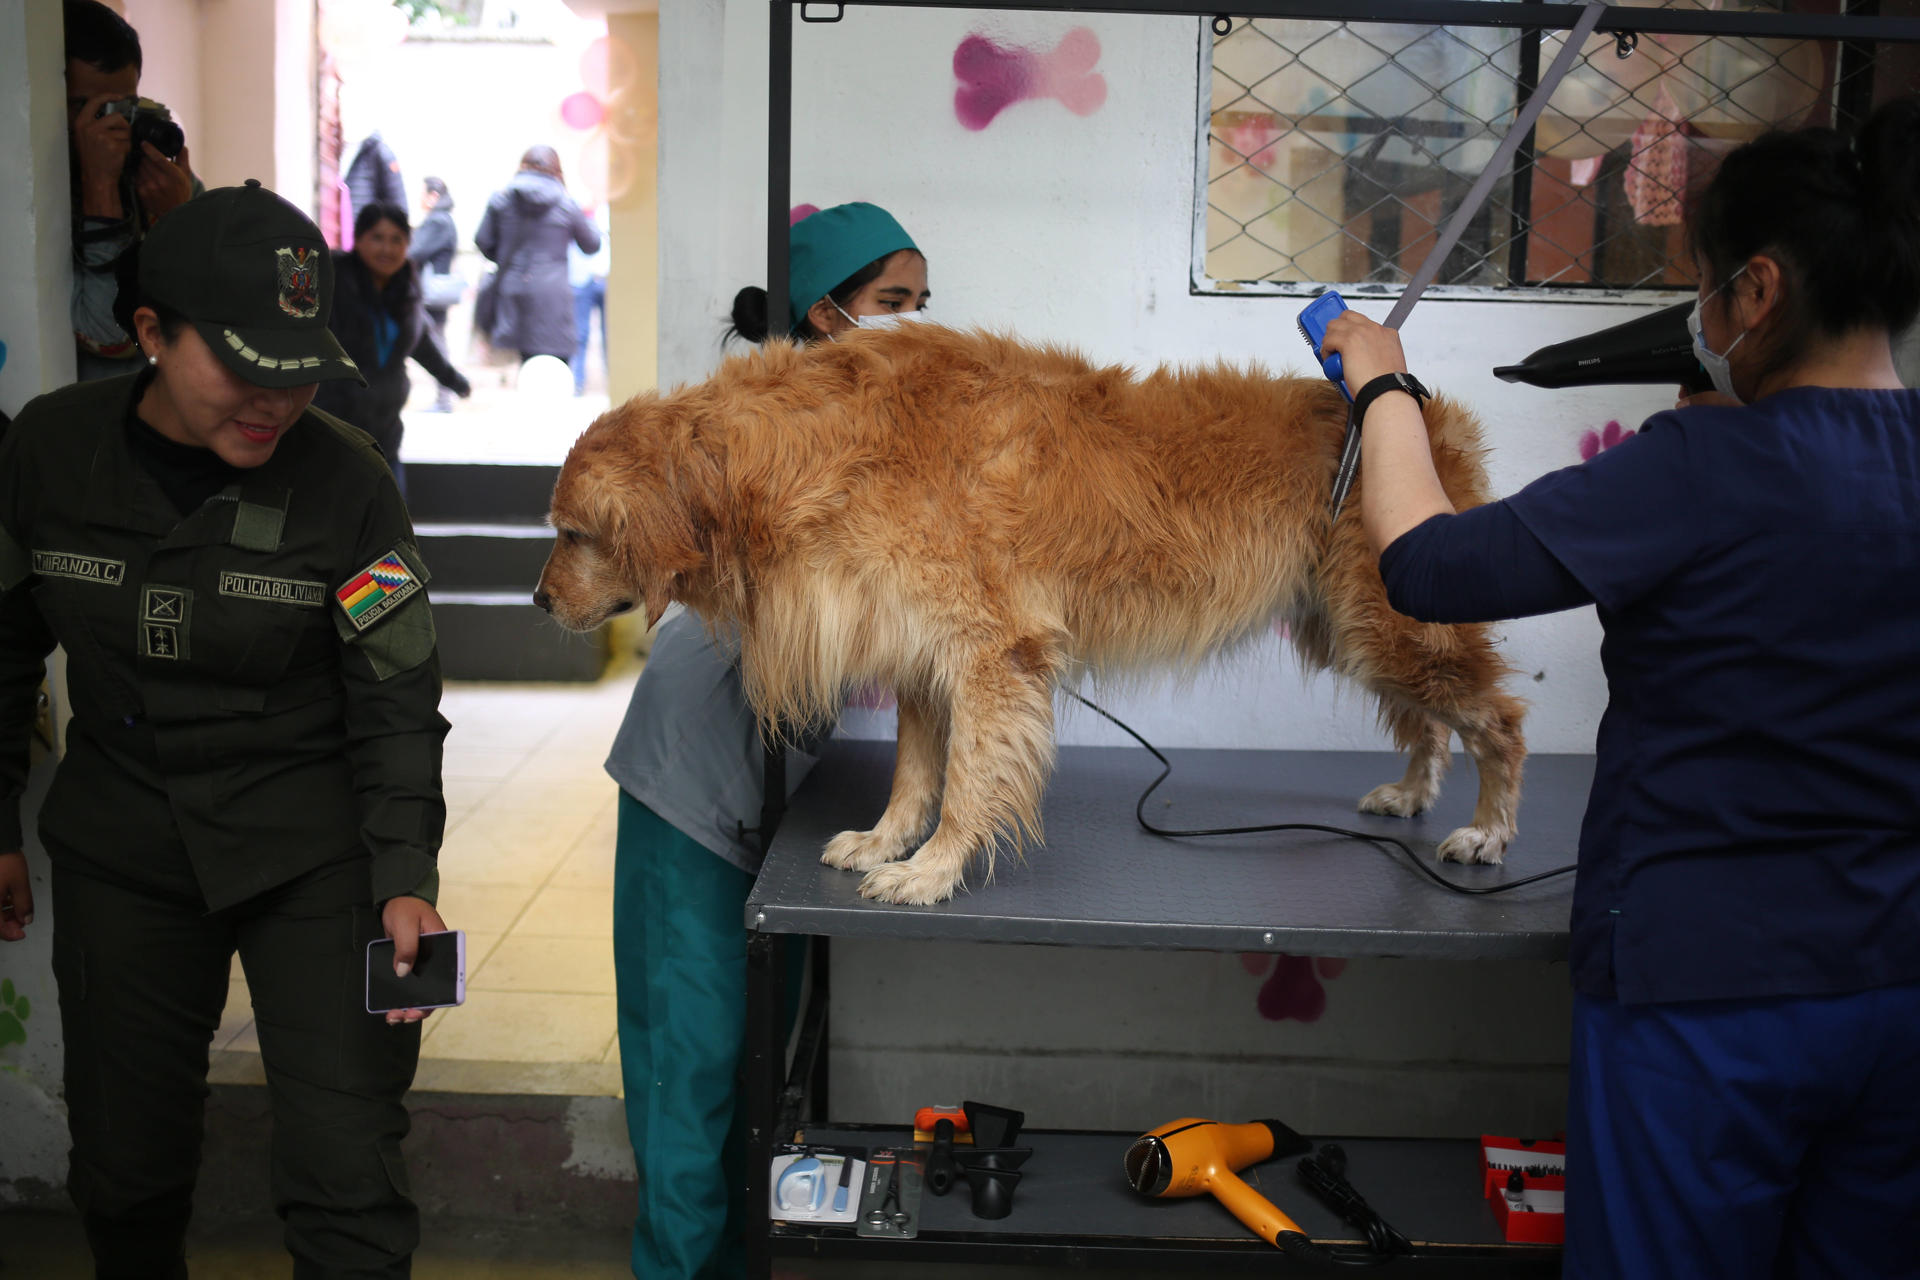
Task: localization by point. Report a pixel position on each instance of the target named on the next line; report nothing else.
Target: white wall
(34, 271)
(35, 284)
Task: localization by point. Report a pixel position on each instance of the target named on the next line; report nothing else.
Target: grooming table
(1102, 881)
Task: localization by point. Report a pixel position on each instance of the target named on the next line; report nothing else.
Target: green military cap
(254, 276)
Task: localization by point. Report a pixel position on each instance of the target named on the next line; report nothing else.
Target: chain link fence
(1338, 150)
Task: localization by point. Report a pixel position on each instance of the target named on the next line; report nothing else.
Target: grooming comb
(1313, 328)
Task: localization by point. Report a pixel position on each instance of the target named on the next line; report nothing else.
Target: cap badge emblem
(299, 281)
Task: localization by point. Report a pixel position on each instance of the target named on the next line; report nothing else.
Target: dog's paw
(1475, 844)
(861, 851)
(908, 885)
(1396, 800)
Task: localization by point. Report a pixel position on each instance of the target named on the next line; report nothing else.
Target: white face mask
(1716, 364)
(893, 319)
(885, 320)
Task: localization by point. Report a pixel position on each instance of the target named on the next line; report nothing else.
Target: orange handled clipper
(927, 1117)
(1204, 1157)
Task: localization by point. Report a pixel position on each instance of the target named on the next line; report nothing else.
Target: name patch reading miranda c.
(255, 586)
(372, 593)
(71, 564)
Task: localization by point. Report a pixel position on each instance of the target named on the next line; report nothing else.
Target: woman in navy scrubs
(1745, 1077)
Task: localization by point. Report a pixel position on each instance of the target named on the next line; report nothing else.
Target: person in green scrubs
(253, 760)
(689, 762)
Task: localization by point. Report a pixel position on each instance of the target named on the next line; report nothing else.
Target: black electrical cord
(1325, 1174)
(1377, 841)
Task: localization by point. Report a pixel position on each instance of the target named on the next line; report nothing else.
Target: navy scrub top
(1754, 824)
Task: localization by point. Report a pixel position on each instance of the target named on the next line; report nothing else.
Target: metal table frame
(1101, 881)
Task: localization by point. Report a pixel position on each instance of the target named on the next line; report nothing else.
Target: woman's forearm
(1398, 486)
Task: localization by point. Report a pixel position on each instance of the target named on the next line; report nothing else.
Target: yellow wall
(633, 279)
(238, 76)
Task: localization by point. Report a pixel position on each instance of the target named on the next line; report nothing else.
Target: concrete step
(500, 635)
(479, 491)
(485, 556)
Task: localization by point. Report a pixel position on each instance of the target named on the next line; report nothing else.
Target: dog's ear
(641, 489)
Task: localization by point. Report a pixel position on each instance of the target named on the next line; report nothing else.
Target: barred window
(1337, 151)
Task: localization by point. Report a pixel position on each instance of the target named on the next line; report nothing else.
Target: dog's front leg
(919, 764)
(999, 753)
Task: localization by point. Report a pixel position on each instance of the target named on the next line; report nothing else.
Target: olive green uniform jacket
(254, 685)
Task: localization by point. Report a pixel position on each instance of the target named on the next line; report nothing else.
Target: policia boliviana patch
(258, 586)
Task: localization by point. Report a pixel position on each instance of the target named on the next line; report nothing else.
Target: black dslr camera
(150, 122)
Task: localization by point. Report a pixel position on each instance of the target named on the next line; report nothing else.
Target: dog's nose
(541, 598)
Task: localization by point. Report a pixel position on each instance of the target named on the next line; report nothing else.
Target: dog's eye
(573, 537)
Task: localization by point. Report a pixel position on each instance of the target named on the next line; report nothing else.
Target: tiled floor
(527, 872)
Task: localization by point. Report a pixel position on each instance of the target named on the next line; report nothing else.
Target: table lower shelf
(1073, 1207)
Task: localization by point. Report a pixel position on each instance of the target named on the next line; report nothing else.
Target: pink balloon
(582, 110)
(596, 71)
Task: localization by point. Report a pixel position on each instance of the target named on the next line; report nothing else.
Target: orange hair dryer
(1204, 1157)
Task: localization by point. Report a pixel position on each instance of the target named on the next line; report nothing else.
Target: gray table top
(1102, 881)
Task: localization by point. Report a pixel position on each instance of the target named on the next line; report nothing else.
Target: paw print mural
(1293, 988)
(15, 1009)
(1592, 443)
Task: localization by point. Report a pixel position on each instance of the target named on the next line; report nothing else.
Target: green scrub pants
(680, 964)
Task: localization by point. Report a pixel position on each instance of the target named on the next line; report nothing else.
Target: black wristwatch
(1381, 385)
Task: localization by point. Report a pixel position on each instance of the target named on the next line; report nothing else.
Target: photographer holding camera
(130, 165)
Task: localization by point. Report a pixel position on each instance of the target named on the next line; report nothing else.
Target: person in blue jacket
(688, 759)
(1746, 916)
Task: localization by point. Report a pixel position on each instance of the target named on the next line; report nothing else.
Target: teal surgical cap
(829, 246)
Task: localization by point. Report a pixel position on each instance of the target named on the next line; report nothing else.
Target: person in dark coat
(378, 317)
(434, 243)
(526, 229)
(373, 177)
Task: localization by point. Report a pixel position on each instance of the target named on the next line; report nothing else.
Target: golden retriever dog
(970, 521)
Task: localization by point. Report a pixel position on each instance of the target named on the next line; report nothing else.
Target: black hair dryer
(1654, 348)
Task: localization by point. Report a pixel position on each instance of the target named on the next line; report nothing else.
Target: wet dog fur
(970, 520)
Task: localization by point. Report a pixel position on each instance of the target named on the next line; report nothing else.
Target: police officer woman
(1746, 922)
(253, 762)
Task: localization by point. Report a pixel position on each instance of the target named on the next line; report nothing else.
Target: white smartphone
(438, 979)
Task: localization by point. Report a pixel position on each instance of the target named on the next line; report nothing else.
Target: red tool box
(1526, 1182)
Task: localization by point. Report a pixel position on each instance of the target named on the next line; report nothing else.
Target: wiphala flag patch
(376, 590)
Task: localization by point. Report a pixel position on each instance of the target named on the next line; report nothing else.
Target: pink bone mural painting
(994, 76)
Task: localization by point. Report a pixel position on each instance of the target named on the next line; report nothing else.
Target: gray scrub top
(689, 747)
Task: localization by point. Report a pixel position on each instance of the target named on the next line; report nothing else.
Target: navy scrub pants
(680, 967)
(1745, 1139)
